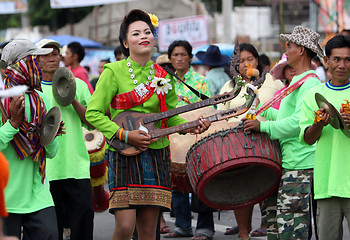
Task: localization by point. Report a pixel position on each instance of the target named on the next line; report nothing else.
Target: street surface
(104, 225)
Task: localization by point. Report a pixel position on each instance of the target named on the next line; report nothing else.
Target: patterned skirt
(143, 180)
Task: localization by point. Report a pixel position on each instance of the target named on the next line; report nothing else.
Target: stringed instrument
(130, 120)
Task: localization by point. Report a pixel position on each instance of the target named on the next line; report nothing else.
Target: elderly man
(293, 214)
(69, 171)
(28, 199)
(332, 165)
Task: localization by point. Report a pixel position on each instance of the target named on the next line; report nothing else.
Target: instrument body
(231, 169)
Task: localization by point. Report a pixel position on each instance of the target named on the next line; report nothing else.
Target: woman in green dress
(139, 185)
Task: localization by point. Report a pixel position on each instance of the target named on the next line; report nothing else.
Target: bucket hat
(305, 37)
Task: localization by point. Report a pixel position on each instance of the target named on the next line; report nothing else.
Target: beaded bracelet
(126, 136)
(120, 134)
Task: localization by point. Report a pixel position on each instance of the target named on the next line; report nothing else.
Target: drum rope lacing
(248, 144)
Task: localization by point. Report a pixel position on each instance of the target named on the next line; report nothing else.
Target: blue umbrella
(226, 49)
(66, 39)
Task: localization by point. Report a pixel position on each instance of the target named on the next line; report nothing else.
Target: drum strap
(284, 93)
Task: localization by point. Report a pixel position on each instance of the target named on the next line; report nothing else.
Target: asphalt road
(104, 225)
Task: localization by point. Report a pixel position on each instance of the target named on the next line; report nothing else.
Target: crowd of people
(53, 179)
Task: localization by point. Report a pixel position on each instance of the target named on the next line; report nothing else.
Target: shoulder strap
(197, 93)
(284, 93)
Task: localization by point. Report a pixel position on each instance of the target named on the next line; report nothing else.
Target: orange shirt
(4, 176)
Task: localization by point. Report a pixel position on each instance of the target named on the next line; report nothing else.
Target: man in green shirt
(28, 199)
(332, 163)
(69, 171)
(293, 214)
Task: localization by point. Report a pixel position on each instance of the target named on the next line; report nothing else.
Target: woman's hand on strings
(204, 125)
(138, 138)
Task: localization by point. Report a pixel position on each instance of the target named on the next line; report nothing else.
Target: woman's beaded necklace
(132, 75)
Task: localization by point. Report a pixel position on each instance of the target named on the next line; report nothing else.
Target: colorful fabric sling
(27, 141)
(135, 97)
(284, 93)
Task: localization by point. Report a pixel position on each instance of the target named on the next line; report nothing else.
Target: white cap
(46, 42)
(18, 49)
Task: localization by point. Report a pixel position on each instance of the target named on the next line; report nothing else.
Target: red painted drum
(231, 169)
(180, 144)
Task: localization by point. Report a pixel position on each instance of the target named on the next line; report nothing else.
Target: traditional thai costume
(145, 179)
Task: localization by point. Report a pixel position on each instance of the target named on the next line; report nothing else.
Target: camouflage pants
(286, 213)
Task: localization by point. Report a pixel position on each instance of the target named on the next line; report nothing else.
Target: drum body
(180, 144)
(231, 169)
(95, 144)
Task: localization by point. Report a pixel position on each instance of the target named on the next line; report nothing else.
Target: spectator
(118, 53)
(100, 70)
(320, 71)
(214, 62)
(75, 53)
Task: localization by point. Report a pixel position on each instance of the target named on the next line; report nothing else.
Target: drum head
(93, 139)
(180, 144)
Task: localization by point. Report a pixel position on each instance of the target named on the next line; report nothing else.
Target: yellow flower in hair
(154, 20)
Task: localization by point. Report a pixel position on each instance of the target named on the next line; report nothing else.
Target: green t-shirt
(332, 162)
(115, 79)
(72, 159)
(194, 80)
(283, 124)
(24, 192)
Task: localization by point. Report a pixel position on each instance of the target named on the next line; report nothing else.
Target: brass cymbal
(50, 126)
(63, 86)
(330, 109)
(342, 125)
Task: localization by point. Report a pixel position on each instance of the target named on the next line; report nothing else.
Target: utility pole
(281, 23)
(227, 13)
(312, 15)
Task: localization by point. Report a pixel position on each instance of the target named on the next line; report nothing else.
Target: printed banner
(82, 3)
(193, 29)
(13, 6)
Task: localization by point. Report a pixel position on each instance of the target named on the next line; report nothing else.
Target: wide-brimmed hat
(63, 86)
(277, 72)
(213, 57)
(305, 37)
(18, 49)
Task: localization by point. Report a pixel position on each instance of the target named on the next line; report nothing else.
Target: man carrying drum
(69, 171)
(292, 202)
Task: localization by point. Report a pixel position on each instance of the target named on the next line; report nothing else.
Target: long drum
(180, 144)
(231, 169)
